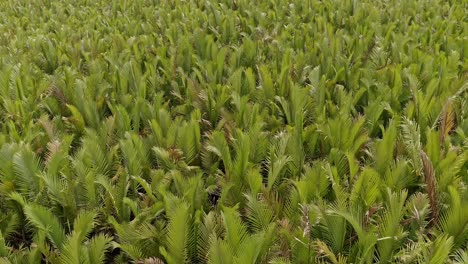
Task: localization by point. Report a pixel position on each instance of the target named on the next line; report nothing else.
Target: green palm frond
(3, 247)
(71, 250)
(4, 261)
(9, 223)
(135, 154)
(412, 140)
(366, 238)
(278, 160)
(45, 221)
(84, 223)
(189, 141)
(235, 230)
(7, 171)
(220, 147)
(418, 209)
(439, 250)
(210, 227)
(461, 256)
(177, 235)
(133, 251)
(27, 166)
(454, 221)
(259, 215)
(366, 189)
(98, 247)
(397, 176)
(333, 228)
(220, 252)
(385, 148)
(313, 185)
(390, 231)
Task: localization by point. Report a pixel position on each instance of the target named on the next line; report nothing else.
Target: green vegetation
(233, 131)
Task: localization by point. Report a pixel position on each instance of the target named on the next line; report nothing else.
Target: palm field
(233, 131)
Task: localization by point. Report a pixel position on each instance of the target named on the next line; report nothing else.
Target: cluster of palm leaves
(233, 131)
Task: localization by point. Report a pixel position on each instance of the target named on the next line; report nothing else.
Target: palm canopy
(223, 131)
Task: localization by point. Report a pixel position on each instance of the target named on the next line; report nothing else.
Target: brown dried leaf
(431, 186)
(447, 120)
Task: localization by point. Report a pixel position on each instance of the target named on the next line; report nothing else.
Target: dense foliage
(233, 131)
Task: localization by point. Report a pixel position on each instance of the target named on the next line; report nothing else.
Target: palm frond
(236, 231)
(322, 249)
(133, 251)
(461, 256)
(259, 215)
(3, 247)
(454, 221)
(412, 140)
(389, 229)
(431, 187)
(27, 166)
(177, 235)
(71, 250)
(220, 252)
(44, 220)
(440, 250)
(84, 223)
(98, 247)
(447, 119)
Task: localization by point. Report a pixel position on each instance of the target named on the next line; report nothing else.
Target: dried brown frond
(175, 154)
(205, 125)
(52, 148)
(58, 94)
(285, 224)
(408, 221)
(305, 221)
(283, 241)
(370, 213)
(447, 119)
(150, 261)
(48, 126)
(429, 177)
